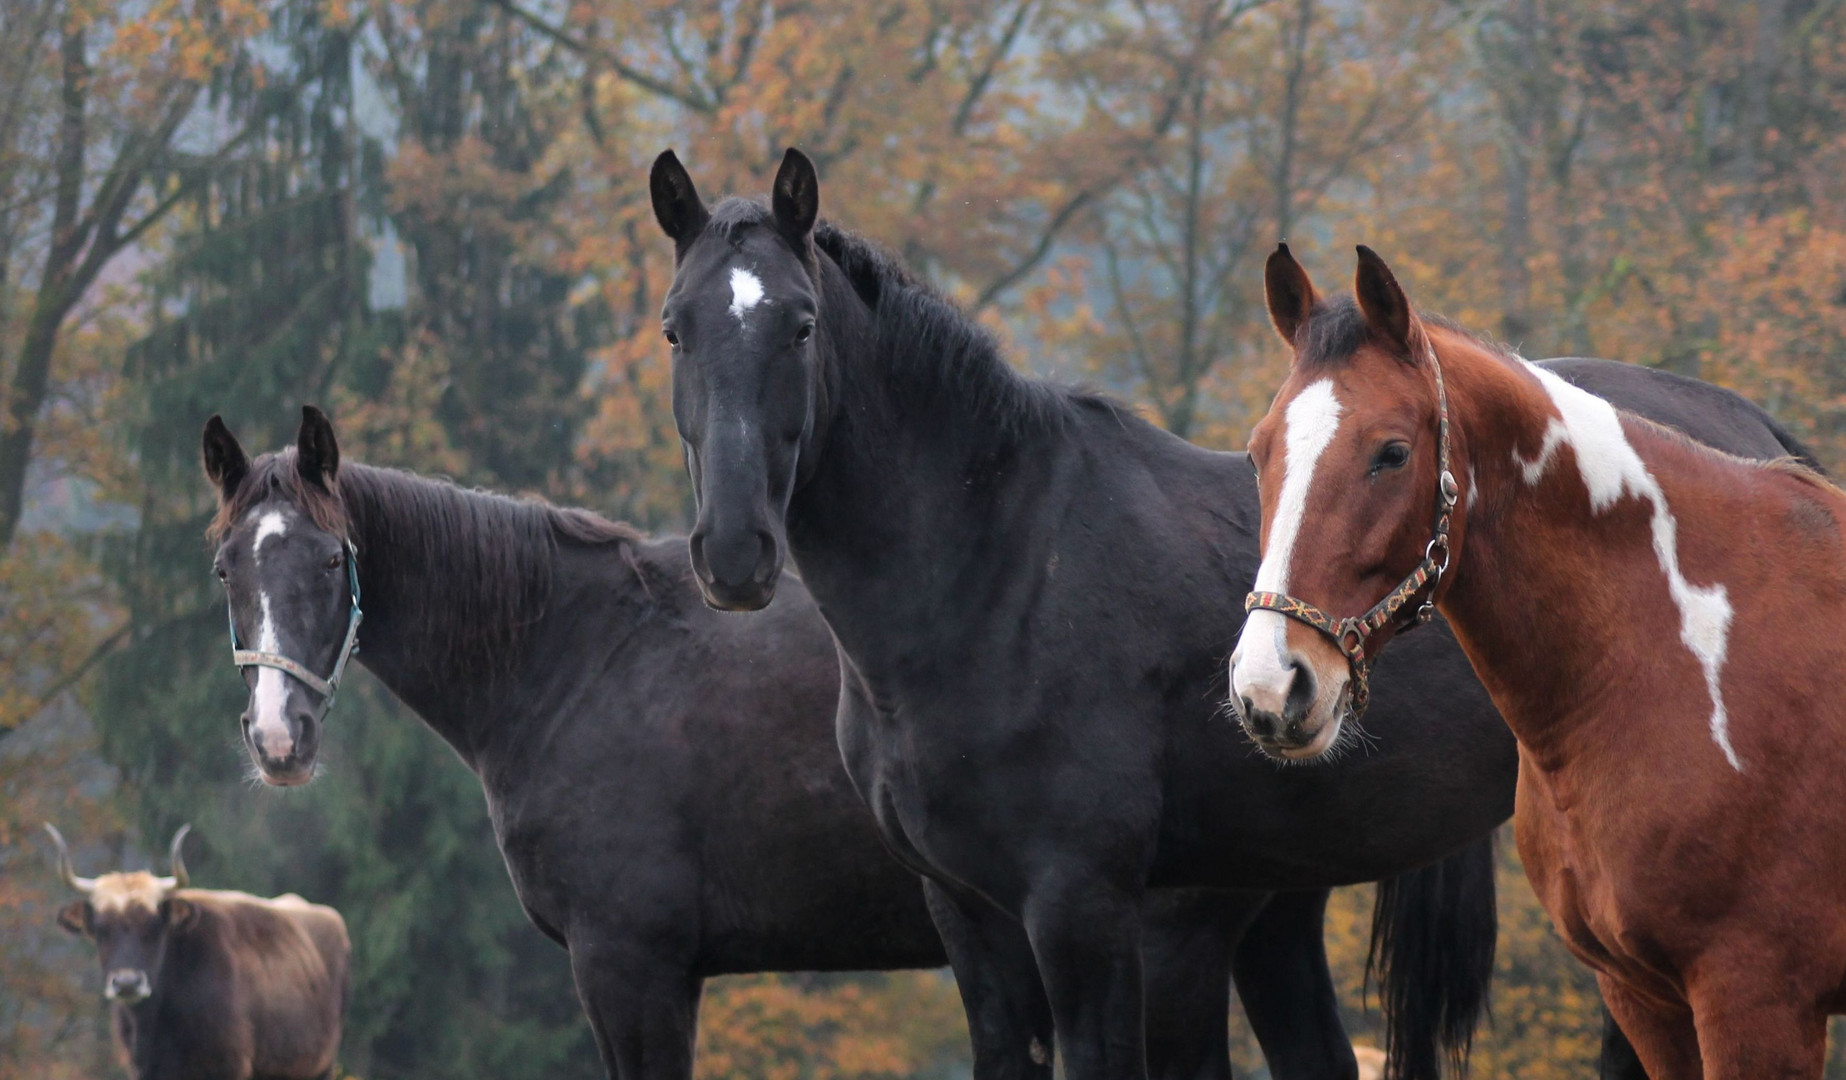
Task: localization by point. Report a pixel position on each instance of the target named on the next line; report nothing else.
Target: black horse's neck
(455, 587)
(930, 441)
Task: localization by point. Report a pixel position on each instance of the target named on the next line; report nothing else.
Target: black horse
(664, 781)
(1031, 592)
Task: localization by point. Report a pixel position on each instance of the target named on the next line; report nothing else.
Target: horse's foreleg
(1009, 1019)
(1187, 939)
(1664, 1039)
(1754, 1021)
(643, 1010)
(1287, 991)
(1086, 934)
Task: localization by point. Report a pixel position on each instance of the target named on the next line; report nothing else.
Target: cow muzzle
(127, 986)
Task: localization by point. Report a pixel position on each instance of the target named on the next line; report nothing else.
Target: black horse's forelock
(407, 526)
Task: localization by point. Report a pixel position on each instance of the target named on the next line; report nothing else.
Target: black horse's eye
(334, 562)
(803, 334)
(672, 339)
(219, 570)
(1391, 455)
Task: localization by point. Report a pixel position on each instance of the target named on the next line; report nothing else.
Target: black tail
(1433, 935)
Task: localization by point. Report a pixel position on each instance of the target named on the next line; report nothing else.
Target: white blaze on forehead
(746, 292)
(273, 523)
(1309, 425)
(267, 724)
(1610, 468)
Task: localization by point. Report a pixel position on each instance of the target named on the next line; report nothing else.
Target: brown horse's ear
(74, 917)
(1387, 309)
(317, 452)
(225, 463)
(795, 198)
(1290, 294)
(677, 205)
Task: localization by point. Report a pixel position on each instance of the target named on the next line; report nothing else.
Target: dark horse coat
(1034, 593)
(664, 780)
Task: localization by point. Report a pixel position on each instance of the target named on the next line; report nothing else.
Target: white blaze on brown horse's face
(1288, 708)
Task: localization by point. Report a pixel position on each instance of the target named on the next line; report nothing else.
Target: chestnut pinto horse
(1655, 619)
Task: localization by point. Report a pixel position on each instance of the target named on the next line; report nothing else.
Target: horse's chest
(1588, 889)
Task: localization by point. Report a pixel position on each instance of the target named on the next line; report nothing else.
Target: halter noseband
(1351, 634)
(326, 687)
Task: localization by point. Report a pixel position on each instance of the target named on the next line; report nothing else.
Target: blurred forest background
(430, 217)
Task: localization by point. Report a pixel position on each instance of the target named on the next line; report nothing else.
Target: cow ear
(225, 463)
(179, 913)
(317, 452)
(74, 917)
(1288, 291)
(795, 198)
(677, 206)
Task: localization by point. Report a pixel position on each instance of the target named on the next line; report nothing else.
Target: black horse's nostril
(695, 548)
(1300, 694)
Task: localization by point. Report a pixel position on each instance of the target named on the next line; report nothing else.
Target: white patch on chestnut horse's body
(746, 292)
(1309, 425)
(1610, 468)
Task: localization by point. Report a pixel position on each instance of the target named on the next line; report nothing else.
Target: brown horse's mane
(502, 546)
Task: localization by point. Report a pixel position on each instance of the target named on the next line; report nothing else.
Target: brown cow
(211, 985)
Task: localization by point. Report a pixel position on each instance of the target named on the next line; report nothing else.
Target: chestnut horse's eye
(672, 339)
(1391, 455)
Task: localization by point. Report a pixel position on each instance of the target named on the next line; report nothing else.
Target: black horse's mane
(929, 346)
(410, 527)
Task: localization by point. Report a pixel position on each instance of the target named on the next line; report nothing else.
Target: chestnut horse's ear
(796, 198)
(1386, 308)
(1290, 294)
(677, 206)
(317, 452)
(225, 463)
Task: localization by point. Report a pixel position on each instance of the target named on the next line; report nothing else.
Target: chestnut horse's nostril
(1300, 700)
(1261, 722)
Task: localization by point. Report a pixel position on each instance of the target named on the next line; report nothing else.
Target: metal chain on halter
(1351, 634)
(330, 685)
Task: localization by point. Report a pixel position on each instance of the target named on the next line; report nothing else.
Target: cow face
(132, 918)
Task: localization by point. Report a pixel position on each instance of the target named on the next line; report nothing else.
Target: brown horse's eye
(1392, 455)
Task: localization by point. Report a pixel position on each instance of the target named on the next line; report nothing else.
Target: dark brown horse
(1657, 621)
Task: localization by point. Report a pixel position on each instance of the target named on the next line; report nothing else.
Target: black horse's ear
(225, 463)
(1386, 308)
(1288, 291)
(677, 206)
(796, 197)
(317, 453)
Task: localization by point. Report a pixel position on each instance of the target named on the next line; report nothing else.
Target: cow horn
(179, 864)
(65, 871)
